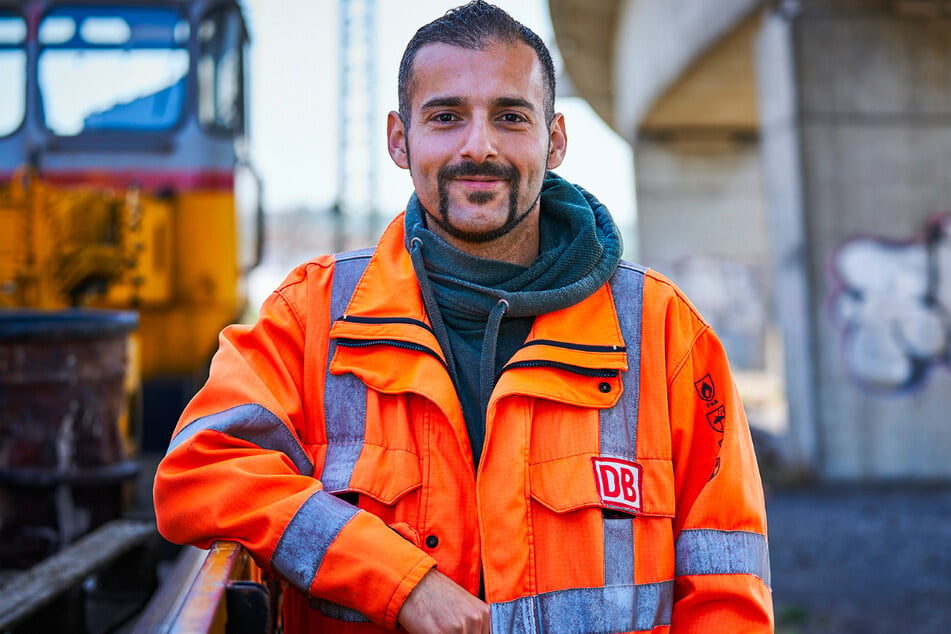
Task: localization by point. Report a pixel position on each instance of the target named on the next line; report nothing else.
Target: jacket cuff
(403, 590)
(371, 568)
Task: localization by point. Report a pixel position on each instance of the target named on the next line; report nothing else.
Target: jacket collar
(387, 305)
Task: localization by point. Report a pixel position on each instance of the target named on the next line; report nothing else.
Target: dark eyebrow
(442, 102)
(514, 102)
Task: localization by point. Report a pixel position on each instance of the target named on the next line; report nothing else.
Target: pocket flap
(568, 484)
(385, 474)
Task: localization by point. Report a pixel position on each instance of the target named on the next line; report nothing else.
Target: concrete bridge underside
(792, 174)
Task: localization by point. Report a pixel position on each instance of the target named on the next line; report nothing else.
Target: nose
(479, 144)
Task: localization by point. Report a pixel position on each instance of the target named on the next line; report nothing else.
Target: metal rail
(24, 594)
(218, 590)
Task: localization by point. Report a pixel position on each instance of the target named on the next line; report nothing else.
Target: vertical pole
(372, 121)
(339, 208)
(782, 165)
(357, 182)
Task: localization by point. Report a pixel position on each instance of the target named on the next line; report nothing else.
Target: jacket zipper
(386, 320)
(602, 373)
(396, 343)
(583, 347)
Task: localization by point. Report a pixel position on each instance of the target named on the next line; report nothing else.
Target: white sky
(294, 117)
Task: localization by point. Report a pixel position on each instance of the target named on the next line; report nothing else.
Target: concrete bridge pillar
(855, 110)
(701, 207)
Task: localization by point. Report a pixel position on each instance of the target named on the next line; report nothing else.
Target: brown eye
(511, 117)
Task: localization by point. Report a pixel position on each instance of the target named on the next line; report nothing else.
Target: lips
(479, 184)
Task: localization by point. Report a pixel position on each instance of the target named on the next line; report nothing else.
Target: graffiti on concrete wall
(892, 304)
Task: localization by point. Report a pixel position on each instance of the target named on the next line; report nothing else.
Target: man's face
(478, 144)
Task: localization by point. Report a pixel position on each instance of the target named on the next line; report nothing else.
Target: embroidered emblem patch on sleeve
(618, 483)
(706, 390)
(716, 418)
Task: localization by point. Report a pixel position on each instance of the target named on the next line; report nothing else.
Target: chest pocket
(569, 484)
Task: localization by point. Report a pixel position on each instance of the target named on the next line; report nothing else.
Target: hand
(438, 604)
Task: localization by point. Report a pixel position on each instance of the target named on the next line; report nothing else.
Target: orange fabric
(532, 516)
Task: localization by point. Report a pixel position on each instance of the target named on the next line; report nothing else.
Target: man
(490, 421)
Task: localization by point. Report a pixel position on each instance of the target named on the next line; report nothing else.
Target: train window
(12, 71)
(112, 68)
(105, 31)
(56, 30)
(222, 39)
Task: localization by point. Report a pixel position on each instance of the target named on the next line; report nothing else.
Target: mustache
(470, 168)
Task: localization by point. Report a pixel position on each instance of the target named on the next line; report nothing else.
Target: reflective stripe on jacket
(617, 490)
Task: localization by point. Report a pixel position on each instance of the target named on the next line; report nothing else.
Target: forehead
(498, 70)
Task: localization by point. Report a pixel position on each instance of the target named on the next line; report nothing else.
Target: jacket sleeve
(237, 468)
(722, 560)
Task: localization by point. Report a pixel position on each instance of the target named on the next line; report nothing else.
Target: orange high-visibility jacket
(617, 491)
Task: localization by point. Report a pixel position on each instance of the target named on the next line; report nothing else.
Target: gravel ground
(861, 559)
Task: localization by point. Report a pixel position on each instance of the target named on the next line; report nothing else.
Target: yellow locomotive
(124, 181)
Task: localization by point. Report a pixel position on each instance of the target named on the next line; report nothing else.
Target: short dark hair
(473, 26)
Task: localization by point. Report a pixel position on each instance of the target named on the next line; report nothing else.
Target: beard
(491, 170)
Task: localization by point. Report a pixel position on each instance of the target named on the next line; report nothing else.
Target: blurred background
(787, 163)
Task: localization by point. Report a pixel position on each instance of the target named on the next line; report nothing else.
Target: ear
(559, 141)
(396, 139)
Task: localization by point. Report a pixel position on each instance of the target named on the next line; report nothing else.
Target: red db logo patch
(619, 483)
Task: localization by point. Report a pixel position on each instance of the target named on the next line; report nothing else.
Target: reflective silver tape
(610, 609)
(619, 423)
(337, 611)
(302, 547)
(345, 396)
(252, 423)
(715, 552)
(618, 551)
